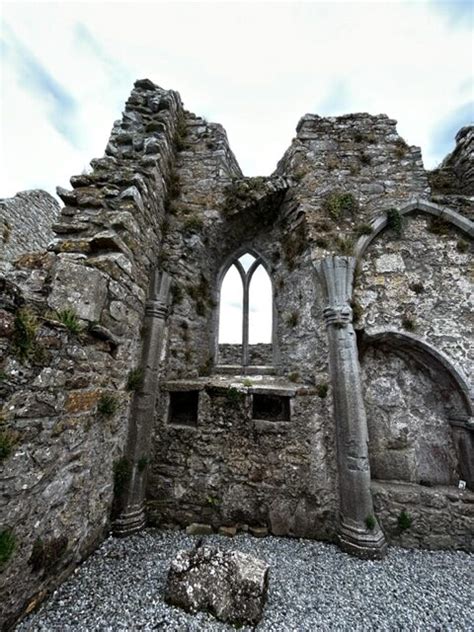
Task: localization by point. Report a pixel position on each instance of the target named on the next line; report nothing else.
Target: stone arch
(246, 277)
(427, 356)
(379, 223)
(419, 410)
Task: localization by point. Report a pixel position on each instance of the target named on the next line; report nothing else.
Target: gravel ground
(313, 586)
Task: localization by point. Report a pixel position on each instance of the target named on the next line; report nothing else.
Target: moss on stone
(107, 405)
(7, 546)
(394, 221)
(25, 332)
(337, 204)
(134, 379)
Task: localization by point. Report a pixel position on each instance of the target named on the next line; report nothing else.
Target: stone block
(228, 531)
(199, 529)
(258, 532)
(79, 288)
(230, 584)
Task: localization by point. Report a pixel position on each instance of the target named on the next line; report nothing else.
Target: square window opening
(183, 410)
(271, 407)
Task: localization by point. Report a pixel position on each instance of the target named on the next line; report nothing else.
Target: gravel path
(313, 586)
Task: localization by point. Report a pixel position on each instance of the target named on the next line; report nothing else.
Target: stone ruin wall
(26, 224)
(169, 195)
(57, 484)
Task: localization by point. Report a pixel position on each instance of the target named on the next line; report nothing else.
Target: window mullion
(245, 323)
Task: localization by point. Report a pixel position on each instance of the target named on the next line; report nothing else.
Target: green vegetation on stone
(337, 204)
(69, 319)
(404, 520)
(7, 546)
(107, 405)
(24, 336)
(134, 379)
(394, 221)
(322, 390)
(370, 523)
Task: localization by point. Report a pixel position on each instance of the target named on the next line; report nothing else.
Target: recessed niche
(271, 407)
(183, 409)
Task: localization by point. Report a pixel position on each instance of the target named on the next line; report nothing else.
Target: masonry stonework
(119, 406)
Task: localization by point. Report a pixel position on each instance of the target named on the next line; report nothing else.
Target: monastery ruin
(121, 409)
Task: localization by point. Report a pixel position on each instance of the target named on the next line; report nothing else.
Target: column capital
(338, 315)
(156, 309)
(337, 277)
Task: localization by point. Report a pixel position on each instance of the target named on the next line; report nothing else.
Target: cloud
(337, 101)
(445, 132)
(254, 67)
(61, 107)
(458, 12)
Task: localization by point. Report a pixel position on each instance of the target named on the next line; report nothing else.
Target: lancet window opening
(246, 265)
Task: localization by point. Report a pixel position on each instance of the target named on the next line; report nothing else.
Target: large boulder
(231, 585)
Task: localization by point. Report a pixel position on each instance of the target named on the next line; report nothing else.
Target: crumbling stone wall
(415, 516)
(418, 282)
(232, 469)
(26, 224)
(70, 335)
(455, 175)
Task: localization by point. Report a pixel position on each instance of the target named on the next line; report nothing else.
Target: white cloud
(254, 67)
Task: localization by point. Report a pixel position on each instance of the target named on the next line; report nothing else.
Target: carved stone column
(355, 499)
(129, 506)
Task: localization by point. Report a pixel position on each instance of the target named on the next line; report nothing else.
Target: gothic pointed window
(246, 313)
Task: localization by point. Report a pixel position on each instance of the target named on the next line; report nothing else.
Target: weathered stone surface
(80, 288)
(436, 517)
(26, 224)
(199, 529)
(230, 584)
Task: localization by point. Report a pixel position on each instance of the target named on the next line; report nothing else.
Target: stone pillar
(355, 499)
(130, 506)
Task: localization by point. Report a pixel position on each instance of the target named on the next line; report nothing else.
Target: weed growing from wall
(462, 246)
(404, 520)
(394, 221)
(408, 324)
(363, 229)
(337, 204)
(134, 379)
(24, 337)
(7, 546)
(344, 245)
(69, 319)
(107, 405)
(234, 398)
(322, 390)
(370, 523)
(7, 441)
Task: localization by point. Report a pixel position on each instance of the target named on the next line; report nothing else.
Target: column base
(355, 540)
(130, 521)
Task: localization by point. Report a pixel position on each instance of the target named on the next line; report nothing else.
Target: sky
(255, 67)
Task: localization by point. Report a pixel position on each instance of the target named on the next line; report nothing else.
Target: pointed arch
(246, 273)
(379, 223)
(426, 355)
